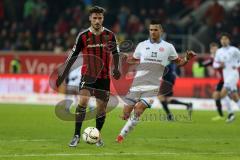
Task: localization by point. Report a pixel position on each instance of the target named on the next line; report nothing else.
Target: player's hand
(222, 64)
(190, 55)
(116, 74)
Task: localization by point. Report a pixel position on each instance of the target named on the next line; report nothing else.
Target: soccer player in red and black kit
(96, 45)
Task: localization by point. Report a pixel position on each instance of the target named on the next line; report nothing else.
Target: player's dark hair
(225, 34)
(96, 9)
(214, 44)
(155, 22)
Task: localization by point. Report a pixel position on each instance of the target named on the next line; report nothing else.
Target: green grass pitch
(33, 132)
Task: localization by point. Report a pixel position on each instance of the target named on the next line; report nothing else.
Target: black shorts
(219, 86)
(100, 88)
(166, 88)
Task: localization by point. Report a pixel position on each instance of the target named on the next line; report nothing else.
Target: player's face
(96, 20)
(225, 41)
(213, 50)
(155, 31)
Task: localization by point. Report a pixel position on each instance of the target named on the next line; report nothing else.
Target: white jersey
(153, 59)
(230, 57)
(159, 53)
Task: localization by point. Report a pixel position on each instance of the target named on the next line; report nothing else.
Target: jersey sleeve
(137, 52)
(237, 53)
(172, 53)
(77, 48)
(217, 60)
(115, 49)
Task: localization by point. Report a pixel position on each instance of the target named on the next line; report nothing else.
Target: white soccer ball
(91, 135)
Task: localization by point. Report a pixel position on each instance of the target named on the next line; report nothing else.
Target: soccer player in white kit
(228, 58)
(154, 54)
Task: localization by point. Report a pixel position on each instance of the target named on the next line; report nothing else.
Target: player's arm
(238, 58)
(135, 58)
(131, 59)
(115, 52)
(181, 61)
(77, 48)
(206, 63)
(217, 63)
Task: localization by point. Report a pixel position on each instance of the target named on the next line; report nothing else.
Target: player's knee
(127, 112)
(216, 95)
(139, 109)
(161, 98)
(83, 101)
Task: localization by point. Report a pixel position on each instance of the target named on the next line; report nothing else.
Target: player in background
(72, 88)
(96, 44)
(228, 58)
(166, 91)
(216, 94)
(154, 54)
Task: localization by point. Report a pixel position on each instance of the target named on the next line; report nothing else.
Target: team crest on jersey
(161, 49)
(106, 37)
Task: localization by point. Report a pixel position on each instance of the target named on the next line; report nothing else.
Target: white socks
(131, 123)
(227, 102)
(238, 103)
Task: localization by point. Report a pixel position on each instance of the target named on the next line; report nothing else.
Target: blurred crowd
(220, 21)
(54, 25)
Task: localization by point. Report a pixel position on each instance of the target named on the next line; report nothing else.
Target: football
(91, 135)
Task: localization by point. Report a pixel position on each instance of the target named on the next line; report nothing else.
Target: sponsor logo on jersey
(161, 49)
(96, 45)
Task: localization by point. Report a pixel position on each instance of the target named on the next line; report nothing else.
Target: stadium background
(39, 33)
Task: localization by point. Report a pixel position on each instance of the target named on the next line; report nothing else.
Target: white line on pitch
(27, 140)
(115, 154)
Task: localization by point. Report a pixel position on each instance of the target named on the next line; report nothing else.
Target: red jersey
(96, 52)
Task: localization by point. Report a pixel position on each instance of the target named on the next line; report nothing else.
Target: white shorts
(146, 97)
(231, 79)
(230, 83)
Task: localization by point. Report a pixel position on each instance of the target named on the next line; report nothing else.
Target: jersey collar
(90, 29)
(159, 41)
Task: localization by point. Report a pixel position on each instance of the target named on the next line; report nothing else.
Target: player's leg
(102, 97)
(165, 91)
(217, 97)
(175, 101)
(101, 111)
(231, 116)
(133, 120)
(231, 90)
(100, 117)
(130, 101)
(80, 115)
(127, 110)
(164, 101)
